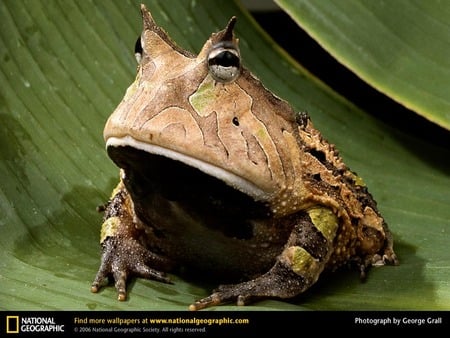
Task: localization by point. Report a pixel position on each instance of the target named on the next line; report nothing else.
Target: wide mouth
(227, 176)
(210, 200)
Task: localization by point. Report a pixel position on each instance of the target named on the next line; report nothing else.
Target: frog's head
(204, 113)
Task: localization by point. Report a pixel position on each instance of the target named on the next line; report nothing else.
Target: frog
(220, 178)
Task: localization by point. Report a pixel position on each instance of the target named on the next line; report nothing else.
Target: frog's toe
(121, 274)
(241, 293)
(99, 279)
(144, 271)
(216, 298)
(121, 284)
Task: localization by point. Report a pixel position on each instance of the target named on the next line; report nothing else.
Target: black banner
(213, 323)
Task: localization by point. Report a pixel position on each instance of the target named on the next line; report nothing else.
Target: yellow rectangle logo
(12, 324)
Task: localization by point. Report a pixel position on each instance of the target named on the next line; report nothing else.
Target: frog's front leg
(296, 269)
(123, 254)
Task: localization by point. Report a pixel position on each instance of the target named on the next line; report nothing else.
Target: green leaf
(399, 47)
(66, 65)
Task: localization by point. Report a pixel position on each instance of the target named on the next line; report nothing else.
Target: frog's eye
(138, 50)
(224, 62)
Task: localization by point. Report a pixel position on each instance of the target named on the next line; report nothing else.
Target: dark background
(313, 57)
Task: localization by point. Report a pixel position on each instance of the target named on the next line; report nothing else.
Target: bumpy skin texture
(219, 176)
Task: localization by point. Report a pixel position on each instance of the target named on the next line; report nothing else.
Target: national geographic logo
(23, 324)
(12, 324)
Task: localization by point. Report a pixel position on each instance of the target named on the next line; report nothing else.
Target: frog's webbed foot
(123, 257)
(268, 285)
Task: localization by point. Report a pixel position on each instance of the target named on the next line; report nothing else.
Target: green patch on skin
(109, 228)
(132, 88)
(303, 263)
(324, 220)
(203, 96)
(358, 180)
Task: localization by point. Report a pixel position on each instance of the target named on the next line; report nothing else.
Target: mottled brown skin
(221, 177)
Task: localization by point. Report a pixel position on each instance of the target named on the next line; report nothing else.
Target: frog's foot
(388, 257)
(270, 285)
(123, 257)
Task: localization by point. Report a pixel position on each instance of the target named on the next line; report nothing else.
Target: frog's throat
(228, 177)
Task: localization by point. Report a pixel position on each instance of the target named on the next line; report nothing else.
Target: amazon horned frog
(219, 176)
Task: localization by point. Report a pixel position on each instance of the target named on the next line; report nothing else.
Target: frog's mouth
(202, 189)
(231, 179)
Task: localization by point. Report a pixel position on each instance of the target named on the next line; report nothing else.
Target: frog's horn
(227, 33)
(150, 25)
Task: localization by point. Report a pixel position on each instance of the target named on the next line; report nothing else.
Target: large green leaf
(66, 65)
(400, 47)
